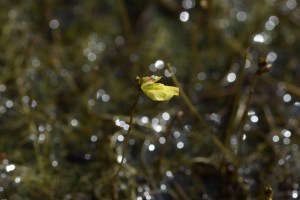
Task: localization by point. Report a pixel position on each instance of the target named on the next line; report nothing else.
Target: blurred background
(67, 71)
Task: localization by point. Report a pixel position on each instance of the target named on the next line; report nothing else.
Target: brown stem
(128, 131)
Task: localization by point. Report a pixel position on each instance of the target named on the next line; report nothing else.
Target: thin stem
(245, 114)
(127, 136)
(239, 88)
(215, 139)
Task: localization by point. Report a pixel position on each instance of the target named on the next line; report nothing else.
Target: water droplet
(169, 174)
(166, 116)
(17, 179)
(272, 56)
(241, 16)
(87, 156)
(281, 162)
(176, 134)
(144, 120)
(94, 138)
(275, 138)
(231, 77)
(188, 4)
(159, 64)
(184, 16)
(9, 103)
(119, 40)
(274, 19)
(157, 128)
(54, 163)
(291, 4)
(41, 138)
(287, 98)
(286, 133)
(163, 187)
(92, 56)
(180, 145)
(162, 140)
(2, 87)
(286, 141)
(105, 97)
(295, 194)
(254, 119)
(74, 122)
(201, 76)
(259, 38)
(269, 25)
(151, 147)
(10, 168)
(54, 24)
(120, 138)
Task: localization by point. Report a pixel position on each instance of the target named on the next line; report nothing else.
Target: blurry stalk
(167, 137)
(126, 22)
(245, 114)
(187, 101)
(239, 89)
(127, 136)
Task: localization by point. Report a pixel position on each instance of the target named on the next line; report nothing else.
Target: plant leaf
(158, 91)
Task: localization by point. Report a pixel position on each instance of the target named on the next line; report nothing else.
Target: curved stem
(245, 114)
(190, 105)
(129, 130)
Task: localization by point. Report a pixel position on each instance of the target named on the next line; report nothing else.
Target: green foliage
(67, 73)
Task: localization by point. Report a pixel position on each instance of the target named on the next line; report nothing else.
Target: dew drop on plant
(144, 120)
(157, 128)
(259, 38)
(33, 103)
(120, 138)
(291, 4)
(151, 147)
(54, 163)
(176, 134)
(231, 77)
(201, 76)
(87, 156)
(166, 116)
(254, 119)
(10, 168)
(286, 133)
(275, 138)
(9, 103)
(92, 56)
(180, 145)
(169, 174)
(54, 24)
(74, 122)
(2, 87)
(159, 64)
(286, 141)
(241, 16)
(295, 194)
(280, 162)
(2, 109)
(94, 138)
(105, 97)
(184, 16)
(162, 140)
(163, 187)
(287, 98)
(17, 179)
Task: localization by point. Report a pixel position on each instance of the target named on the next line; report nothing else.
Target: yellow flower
(157, 91)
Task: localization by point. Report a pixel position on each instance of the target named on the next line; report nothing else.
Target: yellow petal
(158, 91)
